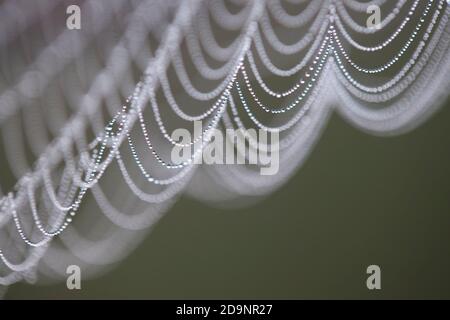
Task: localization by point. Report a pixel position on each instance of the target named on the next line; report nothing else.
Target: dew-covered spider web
(86, 115)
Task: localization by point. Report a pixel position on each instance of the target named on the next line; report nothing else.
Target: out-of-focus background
(358, 200)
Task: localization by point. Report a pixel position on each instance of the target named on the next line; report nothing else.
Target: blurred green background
(358, 200)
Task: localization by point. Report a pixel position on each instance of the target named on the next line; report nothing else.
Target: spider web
(86, 115)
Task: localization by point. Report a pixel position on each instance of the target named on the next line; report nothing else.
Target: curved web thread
(73, 127)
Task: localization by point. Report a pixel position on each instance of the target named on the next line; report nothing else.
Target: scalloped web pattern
(86, 115)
